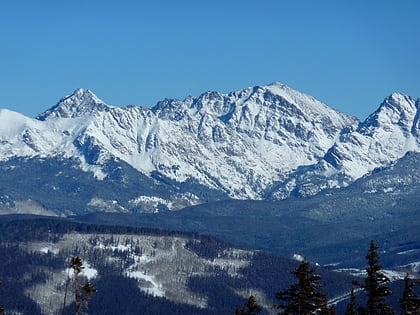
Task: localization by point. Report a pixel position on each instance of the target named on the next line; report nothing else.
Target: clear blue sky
(348, 54)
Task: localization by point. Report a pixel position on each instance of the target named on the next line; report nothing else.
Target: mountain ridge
(255, 143)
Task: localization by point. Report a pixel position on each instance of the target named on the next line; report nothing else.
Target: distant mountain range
(260, 143)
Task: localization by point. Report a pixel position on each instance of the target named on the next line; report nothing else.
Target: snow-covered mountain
(384, 137)
(249, 144)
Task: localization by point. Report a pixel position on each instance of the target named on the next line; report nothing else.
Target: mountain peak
(81, 102)
(397, 108)
(399, 101)
(278, 85)
(82, 93)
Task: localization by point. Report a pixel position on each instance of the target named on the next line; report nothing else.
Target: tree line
(305, 297)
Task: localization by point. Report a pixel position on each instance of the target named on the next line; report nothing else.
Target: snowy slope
(242, 143)
(384, 137)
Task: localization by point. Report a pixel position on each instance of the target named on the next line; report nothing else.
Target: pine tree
(352, 306)
(410, 301)
(374, 285)
(251, 307)
(303, 298)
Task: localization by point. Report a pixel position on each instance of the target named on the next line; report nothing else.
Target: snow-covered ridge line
(242, 143)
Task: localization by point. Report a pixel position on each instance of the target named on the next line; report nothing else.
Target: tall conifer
(374, 285)
(410, 301)
(303, 298)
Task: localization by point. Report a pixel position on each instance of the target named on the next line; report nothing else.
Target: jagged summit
(79, 103)
(396, 110)
(259, 103)
(399, 103)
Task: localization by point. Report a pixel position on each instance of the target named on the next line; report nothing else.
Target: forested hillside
(137, 270)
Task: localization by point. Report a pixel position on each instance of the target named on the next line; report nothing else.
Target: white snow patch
(88, 272)
(334, 264)
(298, 257)
(177, 201)
(337, 299)
(394, 275)
(47, 249)
(410, 251)
(414, 266)
(391, 274)
(155, 288)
